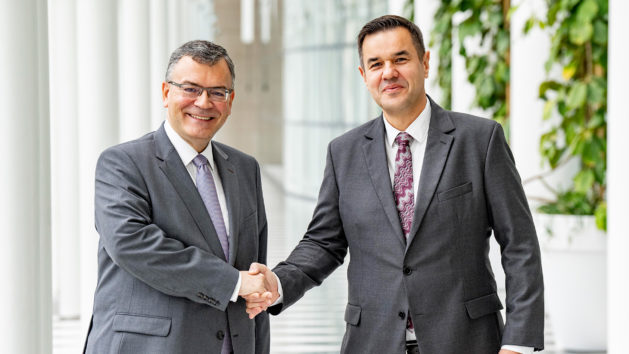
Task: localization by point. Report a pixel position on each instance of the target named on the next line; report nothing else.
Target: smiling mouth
(391, 88)
(200, 117)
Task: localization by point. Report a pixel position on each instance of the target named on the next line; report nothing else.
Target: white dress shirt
(187, 153)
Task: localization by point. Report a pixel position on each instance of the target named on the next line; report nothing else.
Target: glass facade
(323, 93)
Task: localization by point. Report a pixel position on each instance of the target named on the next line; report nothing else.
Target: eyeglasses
(216, 94)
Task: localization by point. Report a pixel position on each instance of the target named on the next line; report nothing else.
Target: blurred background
(82, 75)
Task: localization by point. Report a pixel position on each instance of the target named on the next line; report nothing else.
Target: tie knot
(403, 139)
(200, 160)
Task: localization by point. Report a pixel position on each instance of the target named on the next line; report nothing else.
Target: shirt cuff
(279, 290)
(234, 297)
(519, 349)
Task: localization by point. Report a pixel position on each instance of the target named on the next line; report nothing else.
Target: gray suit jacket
(469, 187)
(163, 282)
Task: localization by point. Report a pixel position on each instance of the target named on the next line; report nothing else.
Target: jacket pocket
(455, 192)
(142, 324)
(352, 314)
(483, 305)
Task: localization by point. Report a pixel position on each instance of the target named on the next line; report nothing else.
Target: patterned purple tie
(403, 186)
(403, 182)
(207, 190)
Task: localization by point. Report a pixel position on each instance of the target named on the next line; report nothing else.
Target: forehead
(388, 42)
(188, 70)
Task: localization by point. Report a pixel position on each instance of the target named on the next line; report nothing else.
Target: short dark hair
(203, 52)
(388, 22)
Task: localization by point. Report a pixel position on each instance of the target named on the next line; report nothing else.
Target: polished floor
(313, 325)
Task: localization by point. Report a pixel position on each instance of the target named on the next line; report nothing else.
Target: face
(197, 120)
(394, 73)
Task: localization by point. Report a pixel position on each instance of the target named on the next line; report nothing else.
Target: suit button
(402, 315)
(220, 335)
(407, 271)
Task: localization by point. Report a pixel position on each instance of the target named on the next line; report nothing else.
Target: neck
(403, 119)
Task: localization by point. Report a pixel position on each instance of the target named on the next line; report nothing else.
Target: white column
(463, 92)
(617, 177)
(247, 21)
(174, 25)
(134, 68)
(98, 123)
(65, 156)
(396, 7)
(25, 179)
(528, 55)
(158, 58)
(425, 19)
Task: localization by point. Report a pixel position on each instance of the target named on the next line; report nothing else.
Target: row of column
(24, 179)
(107, 63)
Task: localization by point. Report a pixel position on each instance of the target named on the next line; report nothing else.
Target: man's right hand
(258, 302)
(251, 283)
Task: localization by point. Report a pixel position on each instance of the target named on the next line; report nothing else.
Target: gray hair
(203, 52)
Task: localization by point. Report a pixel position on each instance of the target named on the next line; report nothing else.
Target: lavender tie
(403, 186)
(207, 190)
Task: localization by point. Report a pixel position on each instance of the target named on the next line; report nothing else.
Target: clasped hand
(258, 287)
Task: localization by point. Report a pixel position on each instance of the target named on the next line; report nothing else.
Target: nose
(389, 71)
(203, 101)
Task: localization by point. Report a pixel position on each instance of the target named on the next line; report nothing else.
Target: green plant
(578, 31)
(488, 71)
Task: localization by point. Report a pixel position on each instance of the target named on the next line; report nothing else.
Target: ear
(165, 92)
(362, 73)
(231, 99)
(426, 63)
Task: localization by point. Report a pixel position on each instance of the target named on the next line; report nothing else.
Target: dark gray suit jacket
(163, 282)
(469, 187)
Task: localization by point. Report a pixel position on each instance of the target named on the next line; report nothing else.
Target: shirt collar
(186, 152)
(418, 129)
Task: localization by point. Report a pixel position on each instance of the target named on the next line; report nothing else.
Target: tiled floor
(313, 325)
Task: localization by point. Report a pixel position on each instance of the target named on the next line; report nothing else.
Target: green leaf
(548, 85)
(596, 94)
(577, 95)
(502, 42)
(583, 181)
(587, 11)
(468, 28)
(581, 32)
(548, 109)
(600, 215)
(600, 32)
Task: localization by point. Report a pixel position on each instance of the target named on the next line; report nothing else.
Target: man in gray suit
(415, 195)
(178, 216)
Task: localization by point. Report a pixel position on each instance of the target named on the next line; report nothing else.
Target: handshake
(258, 287)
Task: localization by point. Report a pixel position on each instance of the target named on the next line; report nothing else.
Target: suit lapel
(229, 179)
(376, 160)
(175, 171)
(437, 149)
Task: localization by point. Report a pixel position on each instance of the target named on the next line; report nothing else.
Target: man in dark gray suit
(178, 216)
(415, 195)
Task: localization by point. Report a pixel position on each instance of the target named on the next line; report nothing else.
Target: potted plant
(573, 224)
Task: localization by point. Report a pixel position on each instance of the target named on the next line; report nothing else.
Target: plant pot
(574, 260)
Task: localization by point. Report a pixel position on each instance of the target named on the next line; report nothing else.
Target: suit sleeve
(140, 247)
(515, 232)
(322, 248)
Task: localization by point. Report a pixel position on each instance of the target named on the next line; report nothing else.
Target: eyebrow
(400, 53)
